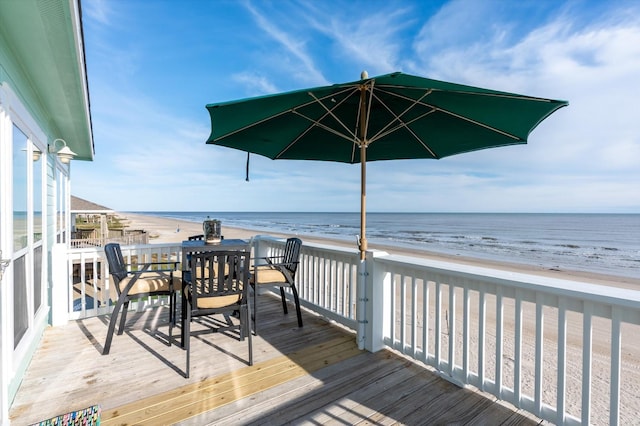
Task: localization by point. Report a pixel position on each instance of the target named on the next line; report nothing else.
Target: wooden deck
(314, 375)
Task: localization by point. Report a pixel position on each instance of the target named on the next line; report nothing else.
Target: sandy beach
(164, 230)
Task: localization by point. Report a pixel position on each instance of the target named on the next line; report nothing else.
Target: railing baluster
(438, 333)
(392, 317)
(616, 351)
(414, 317)
(466, 313)
(452, 328)
(561, 391)
(517, 379)
(482, 325)
(587, 343)
(499, 342)
(539, 352)
(425, 319)
(403, 313)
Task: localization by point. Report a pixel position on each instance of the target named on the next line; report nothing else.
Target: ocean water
(603, 243)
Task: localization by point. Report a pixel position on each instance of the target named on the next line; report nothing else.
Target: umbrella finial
(364, 75)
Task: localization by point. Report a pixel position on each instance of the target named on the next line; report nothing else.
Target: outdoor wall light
(35, 152)
(64, 153)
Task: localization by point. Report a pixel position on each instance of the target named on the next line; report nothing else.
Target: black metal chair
(216, 283)
(150, 279)
(278, 271)
(196, 237)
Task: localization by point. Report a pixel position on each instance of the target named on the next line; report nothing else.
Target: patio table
(200, 246)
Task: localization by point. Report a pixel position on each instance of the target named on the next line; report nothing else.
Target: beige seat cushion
(218, 301)
(267, 274)
(150, 282)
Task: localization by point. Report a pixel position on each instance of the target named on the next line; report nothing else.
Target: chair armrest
(276, 265)
(268, 259)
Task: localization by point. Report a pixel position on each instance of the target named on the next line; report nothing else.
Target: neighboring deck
(313, 375)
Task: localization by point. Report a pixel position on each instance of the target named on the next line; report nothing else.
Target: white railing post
(363, 292)
(377, 316)
(59, 285)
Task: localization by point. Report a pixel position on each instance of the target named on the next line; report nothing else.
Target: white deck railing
(554, 348)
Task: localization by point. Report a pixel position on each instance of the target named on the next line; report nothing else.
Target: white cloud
(255, 83)
(98, 10)
(373, 41)
(306, 69)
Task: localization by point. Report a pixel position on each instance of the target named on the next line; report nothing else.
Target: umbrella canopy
(393, 116)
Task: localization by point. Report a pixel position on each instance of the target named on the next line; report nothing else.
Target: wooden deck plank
(258, 407)
(356, 405)
(310, 381)
(297, 399)
(222, 390)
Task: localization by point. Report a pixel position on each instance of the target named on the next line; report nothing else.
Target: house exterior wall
(30, 123)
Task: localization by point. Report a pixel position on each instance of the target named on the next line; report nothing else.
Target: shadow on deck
(313, 375)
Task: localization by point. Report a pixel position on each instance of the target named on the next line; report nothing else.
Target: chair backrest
(291, 254)
(117, 267)
(219, 273)
(196, 237)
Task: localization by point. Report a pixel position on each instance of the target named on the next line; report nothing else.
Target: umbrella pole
(362, 243)
(363, 201)
(363, 168)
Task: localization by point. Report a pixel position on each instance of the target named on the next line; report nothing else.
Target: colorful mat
(89, 416)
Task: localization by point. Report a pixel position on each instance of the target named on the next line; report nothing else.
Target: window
(20, 193)
(20, 234)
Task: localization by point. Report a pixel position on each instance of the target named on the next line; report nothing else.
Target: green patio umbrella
(393, 116)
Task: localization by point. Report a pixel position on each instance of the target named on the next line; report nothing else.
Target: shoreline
(165, 230)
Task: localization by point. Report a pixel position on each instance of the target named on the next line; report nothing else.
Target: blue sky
(153, 65)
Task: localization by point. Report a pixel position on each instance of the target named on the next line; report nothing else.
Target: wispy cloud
(373, 41)
(303, 65)
(98, 10)
(256, 84)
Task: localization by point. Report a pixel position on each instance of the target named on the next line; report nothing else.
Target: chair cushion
(267, 274)
(218, 301)
(150, 282)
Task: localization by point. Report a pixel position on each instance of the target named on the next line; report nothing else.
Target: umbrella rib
(330, 112)
(453, 114)
(368, 115)
(248, 126)
(271, 117)
(463, 92)
(384, 131)
(317, 123)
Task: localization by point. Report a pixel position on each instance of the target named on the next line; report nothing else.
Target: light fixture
(64, 154)
(35, 153)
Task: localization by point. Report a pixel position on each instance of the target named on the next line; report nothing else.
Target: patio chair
(196, 237)
(216, 283)
(150, 279)
(278, 271)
